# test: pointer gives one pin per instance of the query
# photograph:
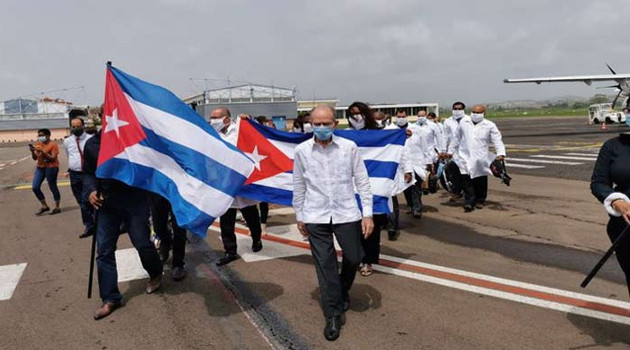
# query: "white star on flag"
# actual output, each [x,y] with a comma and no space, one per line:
[113,123]
[257,158]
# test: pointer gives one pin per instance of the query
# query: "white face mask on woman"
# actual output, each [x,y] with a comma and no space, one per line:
[357,121]
[476,117]
[308,127]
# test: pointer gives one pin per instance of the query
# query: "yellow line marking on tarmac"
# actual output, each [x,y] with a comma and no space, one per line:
[29,186]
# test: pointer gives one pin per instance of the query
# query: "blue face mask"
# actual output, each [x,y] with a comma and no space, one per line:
[323,133]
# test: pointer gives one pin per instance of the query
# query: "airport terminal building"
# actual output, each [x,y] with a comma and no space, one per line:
[21,118]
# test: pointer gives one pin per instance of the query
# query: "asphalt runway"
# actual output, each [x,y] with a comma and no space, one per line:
[505,277]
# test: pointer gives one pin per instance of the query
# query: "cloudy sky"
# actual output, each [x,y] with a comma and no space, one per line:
[375,51]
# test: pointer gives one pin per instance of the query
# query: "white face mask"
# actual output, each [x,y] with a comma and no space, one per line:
[401,121]
[458,114]
[476,117]
[357,124]
[217,124]
[308,127]
[379,123]
[422,120]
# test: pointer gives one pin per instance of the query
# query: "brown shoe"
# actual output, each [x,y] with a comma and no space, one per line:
[106,309]
[154,284]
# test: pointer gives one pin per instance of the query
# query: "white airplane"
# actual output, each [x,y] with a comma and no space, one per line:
[622,80]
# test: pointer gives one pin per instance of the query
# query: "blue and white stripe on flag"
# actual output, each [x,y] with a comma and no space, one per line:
[381,151]
[174,152]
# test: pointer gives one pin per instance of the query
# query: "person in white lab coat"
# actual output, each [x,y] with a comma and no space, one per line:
[413,195]
[426,141]
[451,124]
[221,121]
[404,177]
[471,153]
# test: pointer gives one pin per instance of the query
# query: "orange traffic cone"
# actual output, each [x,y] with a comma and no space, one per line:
[603,126]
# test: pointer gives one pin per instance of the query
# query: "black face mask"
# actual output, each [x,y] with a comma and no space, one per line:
[76,131]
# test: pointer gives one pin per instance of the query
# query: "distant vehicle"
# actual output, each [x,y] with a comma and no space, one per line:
[603,112]
[622,87]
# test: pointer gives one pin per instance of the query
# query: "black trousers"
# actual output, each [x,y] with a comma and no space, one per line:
[87,211]
[394,217]
[264,212]
[160,212]
[475,190]
[228,220]
[372,245]
[614,228]
[413,195]
[334,286]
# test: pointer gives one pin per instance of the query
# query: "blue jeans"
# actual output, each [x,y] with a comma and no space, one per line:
[50,174]
[78,190]
[131,207]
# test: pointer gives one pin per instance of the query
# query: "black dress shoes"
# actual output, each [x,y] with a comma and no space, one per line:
[226,259]
[333,328]
[87,233]
[256,246]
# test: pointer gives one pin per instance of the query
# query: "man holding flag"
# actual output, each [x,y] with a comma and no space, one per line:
[324,171]
[152,141]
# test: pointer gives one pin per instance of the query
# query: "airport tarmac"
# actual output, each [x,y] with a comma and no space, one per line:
[503,277]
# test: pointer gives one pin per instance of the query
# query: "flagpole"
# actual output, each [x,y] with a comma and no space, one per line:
[92,254]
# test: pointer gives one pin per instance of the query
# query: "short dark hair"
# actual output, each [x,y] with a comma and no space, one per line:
[432,115]
[261,119]
[81,119]
[459,103]
[46,132]
[400,110]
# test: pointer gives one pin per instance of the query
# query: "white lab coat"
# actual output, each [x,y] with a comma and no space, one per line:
[450,128]
[405,165]
[231,136]
[425,143]
[471,144]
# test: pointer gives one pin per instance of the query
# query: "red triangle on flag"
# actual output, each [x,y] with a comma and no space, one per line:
[269,160]
[121,127]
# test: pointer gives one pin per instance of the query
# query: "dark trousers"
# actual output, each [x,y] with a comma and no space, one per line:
[614,229]
[413,195]
[161,211]
[87,211]
[228,220]
[334,286]
[264,212]
[475,190]
[393,217]
[50,174]
[131,207]
[372,245]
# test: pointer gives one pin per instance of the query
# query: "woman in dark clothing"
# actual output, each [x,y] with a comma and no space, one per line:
[613,169]
[361,117]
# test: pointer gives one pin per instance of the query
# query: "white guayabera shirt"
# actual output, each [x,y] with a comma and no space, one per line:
[324,181]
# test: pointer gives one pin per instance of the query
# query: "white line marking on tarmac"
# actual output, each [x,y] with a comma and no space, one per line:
[524,166]
[582,154]
[542,161]
[13,163]
[9,277]
[129,265]
[521,292]
[24,158]
[507,296]
[271,250]
[2,164]
[562,157]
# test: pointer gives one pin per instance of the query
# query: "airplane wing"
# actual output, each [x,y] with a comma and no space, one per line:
[587,79]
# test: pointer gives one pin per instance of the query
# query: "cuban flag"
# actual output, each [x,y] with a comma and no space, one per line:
[152,140]
[273,150]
